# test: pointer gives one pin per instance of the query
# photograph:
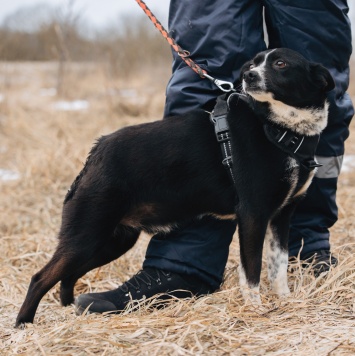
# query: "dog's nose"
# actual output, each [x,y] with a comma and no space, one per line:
[250,75]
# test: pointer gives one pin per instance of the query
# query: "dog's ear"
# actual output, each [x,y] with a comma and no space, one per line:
[322,77]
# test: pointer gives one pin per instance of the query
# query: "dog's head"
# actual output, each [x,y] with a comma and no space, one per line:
[286,76]
[294,88]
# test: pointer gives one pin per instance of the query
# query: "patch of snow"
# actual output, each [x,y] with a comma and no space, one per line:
[75,105]
[128,93]
[48,92]
[6,175]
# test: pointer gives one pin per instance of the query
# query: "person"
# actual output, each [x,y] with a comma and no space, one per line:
[221,36]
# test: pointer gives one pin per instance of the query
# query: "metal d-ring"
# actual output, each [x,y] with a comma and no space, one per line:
[221,84]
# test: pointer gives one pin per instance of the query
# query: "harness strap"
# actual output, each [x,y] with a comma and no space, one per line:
[219,119]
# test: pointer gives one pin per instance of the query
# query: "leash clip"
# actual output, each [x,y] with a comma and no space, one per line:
[221,84]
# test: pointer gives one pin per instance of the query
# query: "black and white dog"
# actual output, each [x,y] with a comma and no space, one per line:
[156,176]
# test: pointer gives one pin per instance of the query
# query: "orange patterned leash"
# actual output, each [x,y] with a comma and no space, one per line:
[184,55]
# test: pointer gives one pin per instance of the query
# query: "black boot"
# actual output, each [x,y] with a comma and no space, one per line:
[145,284]
[321,261]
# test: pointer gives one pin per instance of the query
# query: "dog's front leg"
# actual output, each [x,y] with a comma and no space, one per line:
[252,231]
[277,260]
[250,291]
[277,250]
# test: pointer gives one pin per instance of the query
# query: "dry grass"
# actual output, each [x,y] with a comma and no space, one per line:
[47,148]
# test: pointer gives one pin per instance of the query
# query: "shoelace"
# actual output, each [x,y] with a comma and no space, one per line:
[144,277]
[321,256]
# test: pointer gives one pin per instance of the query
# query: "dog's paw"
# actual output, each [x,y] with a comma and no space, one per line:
[281,290]
[251,296]
[250,292]
[284,295]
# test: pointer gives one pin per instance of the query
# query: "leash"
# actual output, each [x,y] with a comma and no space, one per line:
[184,55]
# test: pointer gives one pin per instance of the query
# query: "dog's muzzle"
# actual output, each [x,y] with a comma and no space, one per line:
[252,80]
[251,76]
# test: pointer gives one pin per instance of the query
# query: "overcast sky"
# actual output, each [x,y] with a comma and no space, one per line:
[100,12]
[97,12]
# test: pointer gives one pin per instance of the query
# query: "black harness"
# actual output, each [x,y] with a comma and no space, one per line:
[219,119]
[301,148]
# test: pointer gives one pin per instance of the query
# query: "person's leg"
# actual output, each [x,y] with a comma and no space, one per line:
[320,31]
[221,36]
[200,248]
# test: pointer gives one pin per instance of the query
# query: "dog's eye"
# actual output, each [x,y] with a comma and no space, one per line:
[251,66]
[280,64]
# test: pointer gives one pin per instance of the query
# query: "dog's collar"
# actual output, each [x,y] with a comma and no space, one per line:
[301,148]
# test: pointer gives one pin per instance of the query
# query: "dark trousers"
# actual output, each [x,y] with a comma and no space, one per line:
[221,36]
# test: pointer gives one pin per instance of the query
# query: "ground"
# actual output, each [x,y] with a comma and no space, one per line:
[49,118]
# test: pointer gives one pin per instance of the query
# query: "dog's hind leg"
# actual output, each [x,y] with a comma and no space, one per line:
[276,244]
[251,238]
[63,262]
[122,240]
[85,225]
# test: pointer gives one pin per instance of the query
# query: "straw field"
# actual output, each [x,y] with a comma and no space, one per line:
[44,138]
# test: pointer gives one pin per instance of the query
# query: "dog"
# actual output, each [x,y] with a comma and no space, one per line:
[156,176]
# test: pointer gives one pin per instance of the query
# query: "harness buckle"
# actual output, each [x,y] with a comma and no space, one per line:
[221,127]
[220,123]
[222,136]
